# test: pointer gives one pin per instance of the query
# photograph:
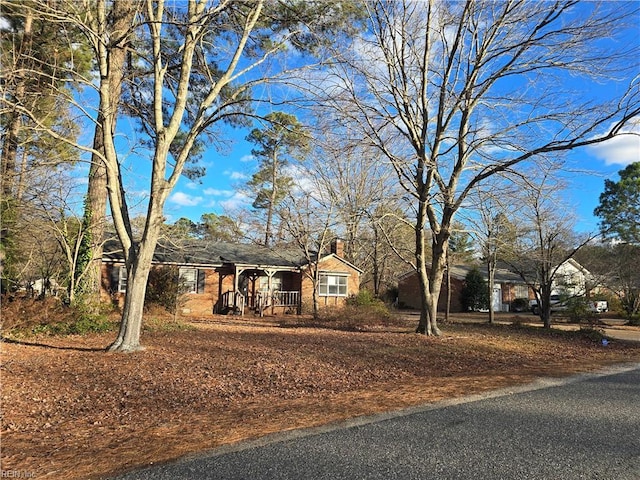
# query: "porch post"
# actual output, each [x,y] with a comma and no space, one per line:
[270,273]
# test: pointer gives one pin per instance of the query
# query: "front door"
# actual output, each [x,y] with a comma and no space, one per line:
[497,298]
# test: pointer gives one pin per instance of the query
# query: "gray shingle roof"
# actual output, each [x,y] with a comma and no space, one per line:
[501,275]
[200,252]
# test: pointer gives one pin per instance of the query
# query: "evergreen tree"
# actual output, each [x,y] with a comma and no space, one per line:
[474,295]
[42,61]
[619,206]
[282,140]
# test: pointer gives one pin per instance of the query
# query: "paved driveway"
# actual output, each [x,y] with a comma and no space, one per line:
[585,427]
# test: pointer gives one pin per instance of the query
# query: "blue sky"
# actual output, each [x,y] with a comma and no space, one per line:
[587,170]
[219,191]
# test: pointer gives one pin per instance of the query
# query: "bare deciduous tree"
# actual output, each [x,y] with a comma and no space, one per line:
[545,240]
[452,93]
[308,215]
[198,65]
[492,219]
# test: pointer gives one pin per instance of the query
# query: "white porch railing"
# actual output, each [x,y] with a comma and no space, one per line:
[237,302]
[233,300]
[286,299]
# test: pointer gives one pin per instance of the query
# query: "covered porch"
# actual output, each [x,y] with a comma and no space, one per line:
[258,289]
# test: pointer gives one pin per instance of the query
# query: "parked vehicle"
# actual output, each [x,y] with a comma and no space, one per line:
[557,305]
[560,305]
[599,306]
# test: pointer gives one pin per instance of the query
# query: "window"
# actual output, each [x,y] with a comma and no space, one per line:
[333,285]
[189,278]
[522,291]
[276,283]
[122,279]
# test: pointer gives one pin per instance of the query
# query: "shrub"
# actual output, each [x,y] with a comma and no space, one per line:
[474,295]
[165,288]
[630,303]
[364,298]
[24,317]
[520,305]
[578,310]
[360,312]
[25,313]
[90,319]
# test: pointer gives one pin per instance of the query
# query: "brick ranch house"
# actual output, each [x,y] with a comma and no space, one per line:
[225,278]
[507,287]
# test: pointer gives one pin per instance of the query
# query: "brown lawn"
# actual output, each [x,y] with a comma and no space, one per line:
[70,410]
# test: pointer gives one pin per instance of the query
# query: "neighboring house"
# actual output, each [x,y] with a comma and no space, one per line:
[507,287]
[223,277]
[571,279]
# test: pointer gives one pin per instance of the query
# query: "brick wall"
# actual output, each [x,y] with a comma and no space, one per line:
[195,304]
[409,293]
[218,281]
[331,264]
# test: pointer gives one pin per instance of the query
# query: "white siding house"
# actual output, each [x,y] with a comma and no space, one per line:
[571,279]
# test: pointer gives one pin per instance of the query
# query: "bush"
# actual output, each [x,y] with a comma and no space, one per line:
[25,313]
[474,295]
[89,319]
[520,305]
[25,316]
[364,298]
[165,288]
[361,312]
[578,310]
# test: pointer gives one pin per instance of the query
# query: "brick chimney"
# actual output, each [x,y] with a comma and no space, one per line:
[337,247]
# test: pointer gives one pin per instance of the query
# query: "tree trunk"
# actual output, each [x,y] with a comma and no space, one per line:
[129,336]
[430,282]
[546,313]
[424,324]
[10,138]
[491,273]
[137,275]
[376,267]
[435,286]
[314,296]
[448,270]
[95,215]
[9,155]
[122,15]
[272,201]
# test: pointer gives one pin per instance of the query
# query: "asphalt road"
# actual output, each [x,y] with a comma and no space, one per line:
[585,427]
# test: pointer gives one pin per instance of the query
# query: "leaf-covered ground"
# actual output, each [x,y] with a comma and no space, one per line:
[70,410]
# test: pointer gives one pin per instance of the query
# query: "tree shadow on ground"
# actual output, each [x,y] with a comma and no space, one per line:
[53,347]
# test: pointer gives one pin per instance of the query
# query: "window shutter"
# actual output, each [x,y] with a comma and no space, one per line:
[114,274]
[200,287]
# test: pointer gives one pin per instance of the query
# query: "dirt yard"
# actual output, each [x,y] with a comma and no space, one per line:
[71,411]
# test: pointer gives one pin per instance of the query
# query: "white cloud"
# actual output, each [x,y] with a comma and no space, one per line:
[185,200]
[236,175]
[238,200]
[218,193]
[623,149]
[247,158]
